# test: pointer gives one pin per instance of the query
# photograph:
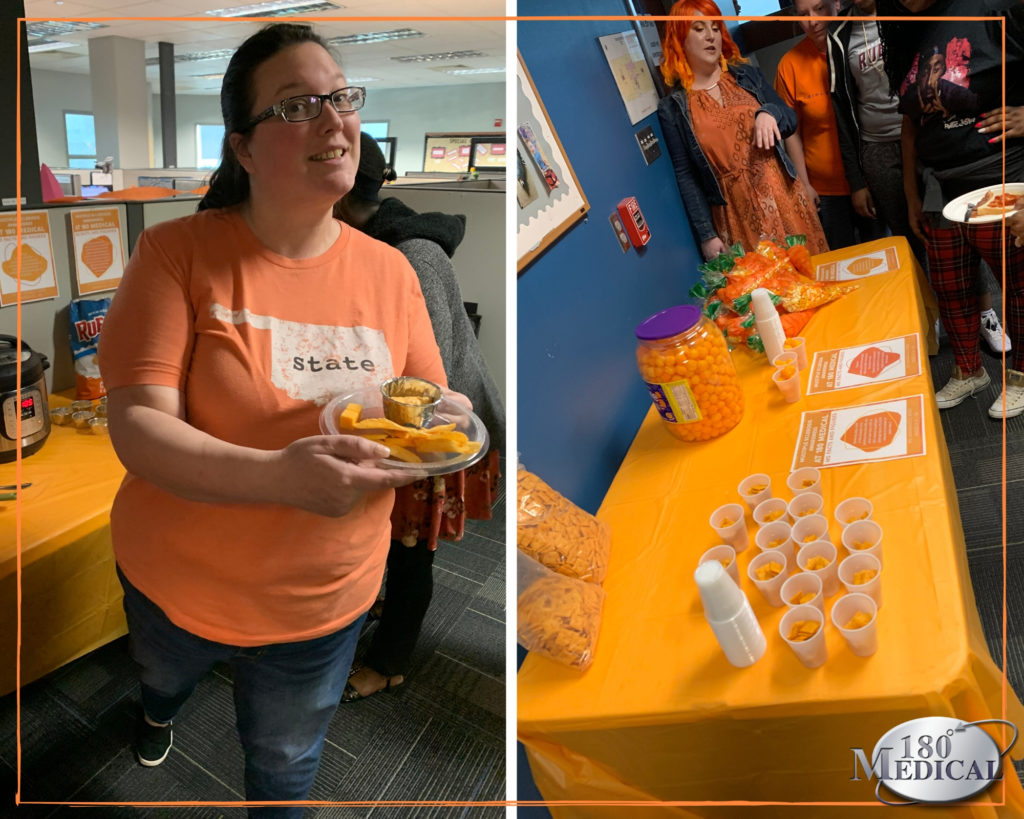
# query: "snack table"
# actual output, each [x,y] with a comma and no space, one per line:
[71,598]
[661,715]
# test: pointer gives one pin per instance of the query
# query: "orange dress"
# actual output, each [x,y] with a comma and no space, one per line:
[762,199]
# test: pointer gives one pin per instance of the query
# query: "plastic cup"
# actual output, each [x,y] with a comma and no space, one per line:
[760,482]
[770,589]
[735,531]
[777,536]
[811,652]
[800,584]
[782,359]
[853,509]
[829,574]
[863,641]
[863,537]
[723,552]
[770,511]
[788,382]
[809,529]
[804,504]
[805,479]
[799,346]
[861,562]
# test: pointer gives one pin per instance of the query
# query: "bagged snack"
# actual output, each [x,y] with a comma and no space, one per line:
[554,531]
[785,271]
[85,319]
[557,616]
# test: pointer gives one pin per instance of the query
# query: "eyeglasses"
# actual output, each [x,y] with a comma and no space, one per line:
[309,106]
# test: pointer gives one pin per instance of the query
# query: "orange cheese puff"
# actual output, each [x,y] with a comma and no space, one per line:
[787,372]
[803,630]
[862,544]
[811,538]
[859,620]
[773,516]
[816,563]
[768,571]
[866,576]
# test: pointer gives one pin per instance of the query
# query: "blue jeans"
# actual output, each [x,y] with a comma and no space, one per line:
[285,694]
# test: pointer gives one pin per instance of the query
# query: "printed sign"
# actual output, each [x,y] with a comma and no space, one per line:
[883,260]
[889,360]
[99,257]
[34,265]
[882,431]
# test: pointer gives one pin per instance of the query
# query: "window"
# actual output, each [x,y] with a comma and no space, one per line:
[378,130]
[208,143]
[81,139]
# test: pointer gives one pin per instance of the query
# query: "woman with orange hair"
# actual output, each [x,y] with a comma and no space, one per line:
[724,126]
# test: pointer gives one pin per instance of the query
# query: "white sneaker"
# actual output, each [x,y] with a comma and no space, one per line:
[1014,397]
[959,390]
[992,332]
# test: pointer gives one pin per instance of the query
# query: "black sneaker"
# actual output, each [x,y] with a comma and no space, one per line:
[152,742]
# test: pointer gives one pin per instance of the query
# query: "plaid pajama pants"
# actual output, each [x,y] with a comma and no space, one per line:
[954,258]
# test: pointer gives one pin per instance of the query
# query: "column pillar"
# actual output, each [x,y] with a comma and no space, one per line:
[168,113]
[120,100]
[10,47]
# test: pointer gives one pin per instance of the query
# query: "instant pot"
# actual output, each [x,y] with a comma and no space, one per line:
[30,403]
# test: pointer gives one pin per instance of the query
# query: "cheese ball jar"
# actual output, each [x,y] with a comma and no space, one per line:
[685,363]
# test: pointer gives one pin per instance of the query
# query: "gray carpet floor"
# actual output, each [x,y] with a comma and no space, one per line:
[439,736]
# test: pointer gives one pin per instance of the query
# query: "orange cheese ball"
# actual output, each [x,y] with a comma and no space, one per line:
[699,357]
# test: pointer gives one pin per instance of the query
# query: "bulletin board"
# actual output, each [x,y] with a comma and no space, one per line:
[451,153]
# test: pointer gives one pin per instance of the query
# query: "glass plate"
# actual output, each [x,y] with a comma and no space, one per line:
[434,463]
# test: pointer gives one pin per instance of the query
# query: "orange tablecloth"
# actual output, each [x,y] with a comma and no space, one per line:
[662,715]
[71,599]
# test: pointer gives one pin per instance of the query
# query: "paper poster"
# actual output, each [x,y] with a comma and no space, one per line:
[883,260]
[99,256]
[632,75]
[882,431]
[38,280]
[888,360]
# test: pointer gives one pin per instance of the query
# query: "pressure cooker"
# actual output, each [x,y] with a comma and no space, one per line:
[30,403]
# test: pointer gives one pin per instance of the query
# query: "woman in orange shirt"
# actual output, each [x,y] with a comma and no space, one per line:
[723,127]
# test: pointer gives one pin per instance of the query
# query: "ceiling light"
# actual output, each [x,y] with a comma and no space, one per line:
[49,45]
[462,71]
[375,37]
[445,55]
[55,28]
[197,56]
[275,8]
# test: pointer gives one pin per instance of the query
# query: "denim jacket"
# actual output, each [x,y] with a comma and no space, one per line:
[697,183]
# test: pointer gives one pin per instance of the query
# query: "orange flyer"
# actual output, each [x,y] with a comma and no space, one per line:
[883,260]
[891,359]
[882,431]
[30,260]
[99,254]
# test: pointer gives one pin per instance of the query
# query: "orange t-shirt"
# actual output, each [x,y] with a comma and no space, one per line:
[802,81]
[258,343]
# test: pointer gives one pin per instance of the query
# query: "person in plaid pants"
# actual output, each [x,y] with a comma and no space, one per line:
[962,131]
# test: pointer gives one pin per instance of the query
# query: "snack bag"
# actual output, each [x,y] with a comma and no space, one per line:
[86,318]
[557,533]
[557,616]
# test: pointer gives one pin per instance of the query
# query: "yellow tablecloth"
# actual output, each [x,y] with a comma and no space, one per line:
[661,715]
[71,599]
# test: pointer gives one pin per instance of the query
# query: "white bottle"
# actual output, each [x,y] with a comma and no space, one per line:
[729,613]
[769,326]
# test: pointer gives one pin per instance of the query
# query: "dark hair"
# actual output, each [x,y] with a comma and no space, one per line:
[229,184]
[898,42]
[373,171]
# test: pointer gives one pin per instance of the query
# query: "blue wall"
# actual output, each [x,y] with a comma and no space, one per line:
[580,398]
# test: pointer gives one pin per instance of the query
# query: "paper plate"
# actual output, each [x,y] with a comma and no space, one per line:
[956,211]
[434,463]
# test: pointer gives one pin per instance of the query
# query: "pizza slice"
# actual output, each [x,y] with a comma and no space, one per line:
[994,204]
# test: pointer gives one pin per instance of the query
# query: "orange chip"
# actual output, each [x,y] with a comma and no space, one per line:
[726,562]
[725,522]
[802,597]
[866,576]
[811,538]
[758,489]
[774,515]
[817,562]
[768,571]
[859,620]
[803,630]
[807,482]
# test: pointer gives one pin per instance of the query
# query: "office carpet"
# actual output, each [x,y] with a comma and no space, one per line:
[439,736]
[975,443]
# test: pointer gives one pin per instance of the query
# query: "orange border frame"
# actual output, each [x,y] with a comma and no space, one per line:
[436,803]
